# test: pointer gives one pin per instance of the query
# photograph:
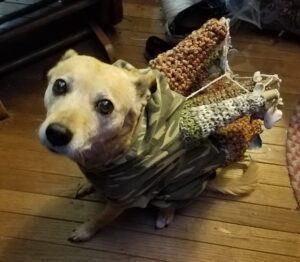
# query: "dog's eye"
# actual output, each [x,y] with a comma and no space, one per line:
[59,87]
[104,106]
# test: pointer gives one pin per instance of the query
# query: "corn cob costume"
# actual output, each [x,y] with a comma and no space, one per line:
[180,141]
[192,68]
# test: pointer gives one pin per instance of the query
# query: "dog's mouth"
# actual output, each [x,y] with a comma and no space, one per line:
[61,150]
[52,150]
[63,146]
[81,145]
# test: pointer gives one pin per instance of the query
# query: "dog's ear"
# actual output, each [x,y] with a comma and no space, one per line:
[69,53]
[145,83]
[144,79]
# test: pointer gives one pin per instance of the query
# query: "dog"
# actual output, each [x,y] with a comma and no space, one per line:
[98,115]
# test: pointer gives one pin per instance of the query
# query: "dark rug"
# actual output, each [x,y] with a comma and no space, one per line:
[293,151]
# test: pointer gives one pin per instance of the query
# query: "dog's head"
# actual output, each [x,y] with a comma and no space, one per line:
[92,107]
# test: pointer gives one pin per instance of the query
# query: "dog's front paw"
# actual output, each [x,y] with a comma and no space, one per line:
[84,188]
[84,232]
[165,217]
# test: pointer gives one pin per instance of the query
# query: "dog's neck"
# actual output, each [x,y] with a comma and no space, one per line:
[103,154]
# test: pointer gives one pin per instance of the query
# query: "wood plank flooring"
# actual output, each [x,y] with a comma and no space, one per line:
[37,206]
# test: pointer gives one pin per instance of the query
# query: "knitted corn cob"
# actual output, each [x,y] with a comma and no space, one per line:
[198,122]
[228,87]
[235,137]
[187,64]
[220,90]
[225,109]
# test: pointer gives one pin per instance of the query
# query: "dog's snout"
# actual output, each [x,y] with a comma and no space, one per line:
[58,135]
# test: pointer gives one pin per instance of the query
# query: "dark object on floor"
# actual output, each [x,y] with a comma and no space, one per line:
[194,17]
[3,112]
[26,38]
[281,15]
[156,46]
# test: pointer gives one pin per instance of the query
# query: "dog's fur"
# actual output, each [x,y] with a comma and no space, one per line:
[99,138]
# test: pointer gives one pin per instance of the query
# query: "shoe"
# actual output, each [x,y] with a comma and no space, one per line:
[156,46]
[194,17]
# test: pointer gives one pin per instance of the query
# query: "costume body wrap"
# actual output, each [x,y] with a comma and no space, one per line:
[179,141]
[161,168]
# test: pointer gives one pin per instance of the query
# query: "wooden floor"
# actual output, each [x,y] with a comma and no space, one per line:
[37,206]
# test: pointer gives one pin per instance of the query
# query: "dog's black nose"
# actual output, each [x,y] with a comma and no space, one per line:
[58,135]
